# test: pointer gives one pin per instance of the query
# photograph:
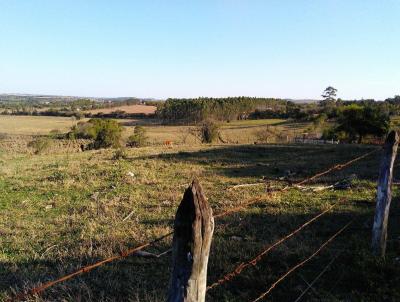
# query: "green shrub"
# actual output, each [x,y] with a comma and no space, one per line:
[119,154]
[208,131]
[78,115]
[105,133]
[56,134]
[40,144]
[139,138]
[335,134]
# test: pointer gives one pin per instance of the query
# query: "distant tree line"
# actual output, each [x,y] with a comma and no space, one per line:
[71,108]
[198,109]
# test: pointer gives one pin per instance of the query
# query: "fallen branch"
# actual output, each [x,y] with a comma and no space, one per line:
[129,215]
[314,188]
[48,249]
[145,254]
[247,185]
[221,139]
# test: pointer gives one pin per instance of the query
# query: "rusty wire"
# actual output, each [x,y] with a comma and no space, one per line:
[336,167]
[310,285]
[315,176]
[229,276]
[244,205]
[319,174]
[280,279]
[124,254]
[238,270]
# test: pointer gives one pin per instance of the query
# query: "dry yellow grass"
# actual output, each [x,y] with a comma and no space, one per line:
[237,132]
[34,124]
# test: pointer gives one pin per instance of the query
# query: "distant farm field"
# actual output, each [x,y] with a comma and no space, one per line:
[34,124]
[246,131]
[128,109]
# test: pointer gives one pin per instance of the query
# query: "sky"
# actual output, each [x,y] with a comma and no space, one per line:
[191,48]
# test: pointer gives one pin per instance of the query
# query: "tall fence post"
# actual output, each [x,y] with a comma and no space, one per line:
[193,230]
[384,194]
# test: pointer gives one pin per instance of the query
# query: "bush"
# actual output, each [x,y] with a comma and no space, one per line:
[139,138]
[119,154]
[56,134]
[266,135]
[40,144]
[209,131]
[335,134]
[106,133]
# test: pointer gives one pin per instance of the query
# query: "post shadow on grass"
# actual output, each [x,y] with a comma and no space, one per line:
[273,161]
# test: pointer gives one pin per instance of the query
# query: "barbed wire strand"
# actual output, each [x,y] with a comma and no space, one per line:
[86,269]
[238,270]
[319,174]
[336,167]
[280,279]
[331,169]
[249,202]
[124,254]
[318,276]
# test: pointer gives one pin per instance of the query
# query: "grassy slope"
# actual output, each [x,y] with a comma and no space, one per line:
[63,211]
[34,124]
[237,132]
[234,132]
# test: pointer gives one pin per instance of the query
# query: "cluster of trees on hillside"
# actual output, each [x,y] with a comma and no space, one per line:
[198,109]
[106,133]
[74,107]
[354,122]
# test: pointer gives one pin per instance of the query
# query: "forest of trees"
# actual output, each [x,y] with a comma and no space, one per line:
[232,108]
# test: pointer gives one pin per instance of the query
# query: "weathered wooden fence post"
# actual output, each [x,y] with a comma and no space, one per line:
[384,194]
[194,227]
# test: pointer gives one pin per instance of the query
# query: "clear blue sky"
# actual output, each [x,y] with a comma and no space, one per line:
[189,48]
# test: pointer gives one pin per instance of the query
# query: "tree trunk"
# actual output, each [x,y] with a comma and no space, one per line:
[194,226]
[384,195]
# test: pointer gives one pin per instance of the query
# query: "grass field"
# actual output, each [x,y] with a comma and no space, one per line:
[34,124]
[237,132]
[59,212]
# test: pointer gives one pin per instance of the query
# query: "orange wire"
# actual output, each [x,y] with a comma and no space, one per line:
[256,259]
[86,269]
[302,262]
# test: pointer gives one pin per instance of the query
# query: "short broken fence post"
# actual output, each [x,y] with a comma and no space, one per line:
[384,194]
[193,230]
